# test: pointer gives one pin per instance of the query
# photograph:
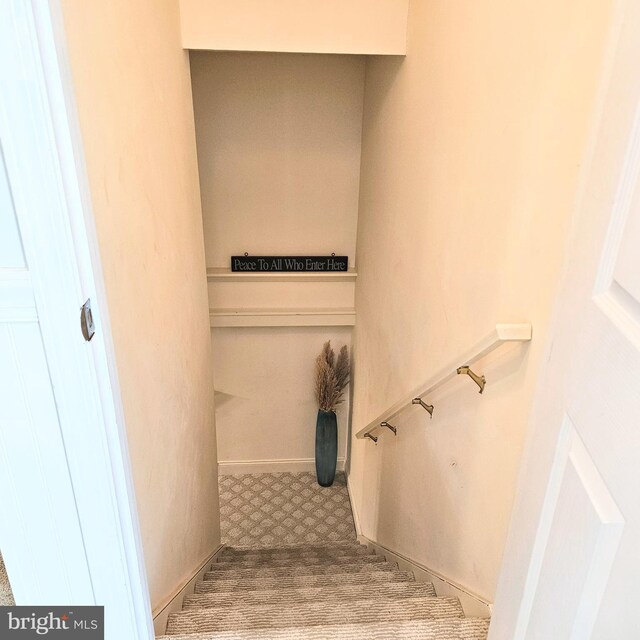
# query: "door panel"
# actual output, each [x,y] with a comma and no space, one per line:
[617,286]
[579,508]
[40,533]
[625,272]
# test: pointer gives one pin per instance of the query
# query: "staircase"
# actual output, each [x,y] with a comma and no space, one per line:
[293,570]
[341,591]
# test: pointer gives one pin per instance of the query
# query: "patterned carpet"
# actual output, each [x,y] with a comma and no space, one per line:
[6,597]
[448,629]
[272,593]
[272,509]
[293,570]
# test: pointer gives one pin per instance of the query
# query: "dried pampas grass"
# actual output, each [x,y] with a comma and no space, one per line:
[332,376]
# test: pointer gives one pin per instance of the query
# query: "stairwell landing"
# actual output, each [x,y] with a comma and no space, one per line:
[294,570]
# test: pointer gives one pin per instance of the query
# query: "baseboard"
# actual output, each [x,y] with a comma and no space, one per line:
[473,605]
[294,465]
[354,511]
[174,602]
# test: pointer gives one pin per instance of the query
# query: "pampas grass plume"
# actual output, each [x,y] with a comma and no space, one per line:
[331,377]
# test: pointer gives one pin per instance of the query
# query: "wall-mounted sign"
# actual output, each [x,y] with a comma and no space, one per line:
[277,264]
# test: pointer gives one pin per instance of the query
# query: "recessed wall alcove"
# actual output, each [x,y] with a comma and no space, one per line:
[279,142]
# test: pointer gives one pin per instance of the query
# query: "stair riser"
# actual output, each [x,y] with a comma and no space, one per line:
[236,585]
[471,629]
[266,572]
[295,562]
[291,597]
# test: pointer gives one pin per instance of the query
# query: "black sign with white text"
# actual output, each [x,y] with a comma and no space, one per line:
[289,264]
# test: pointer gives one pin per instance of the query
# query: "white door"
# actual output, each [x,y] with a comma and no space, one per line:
[572,564]
[40,533]
[68,524]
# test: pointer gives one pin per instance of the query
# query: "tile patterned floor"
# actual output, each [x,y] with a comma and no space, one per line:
[270,509]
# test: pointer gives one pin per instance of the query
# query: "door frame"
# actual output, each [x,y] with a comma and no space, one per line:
[40,133]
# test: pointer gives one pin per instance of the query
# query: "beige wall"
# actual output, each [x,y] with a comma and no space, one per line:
[279,155]
[266,407]
[330,26]
[471,150]
[279,152]
[134,99]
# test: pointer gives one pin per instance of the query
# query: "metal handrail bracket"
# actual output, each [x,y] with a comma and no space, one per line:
[427,407]
[481,381]
[391,428]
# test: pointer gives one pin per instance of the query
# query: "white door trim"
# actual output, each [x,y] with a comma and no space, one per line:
[40,135]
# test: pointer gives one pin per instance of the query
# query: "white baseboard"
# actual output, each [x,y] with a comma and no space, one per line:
[174,602]
[354,511]
[294,465]
[473,605]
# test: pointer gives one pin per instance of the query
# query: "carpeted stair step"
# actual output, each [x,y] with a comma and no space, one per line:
[375,591]
[227,584]
[298,551]
[445,629]
[309,614]
[294,562]
[297,570]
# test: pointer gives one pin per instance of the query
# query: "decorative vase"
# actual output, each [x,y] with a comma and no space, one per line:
[326,447]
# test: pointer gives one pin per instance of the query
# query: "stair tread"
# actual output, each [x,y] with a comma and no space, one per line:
[291,562]
[312,569]
[365,591]
[226,583]
[441,629]
[311,614]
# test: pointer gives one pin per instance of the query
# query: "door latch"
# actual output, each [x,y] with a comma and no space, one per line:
[86,321]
